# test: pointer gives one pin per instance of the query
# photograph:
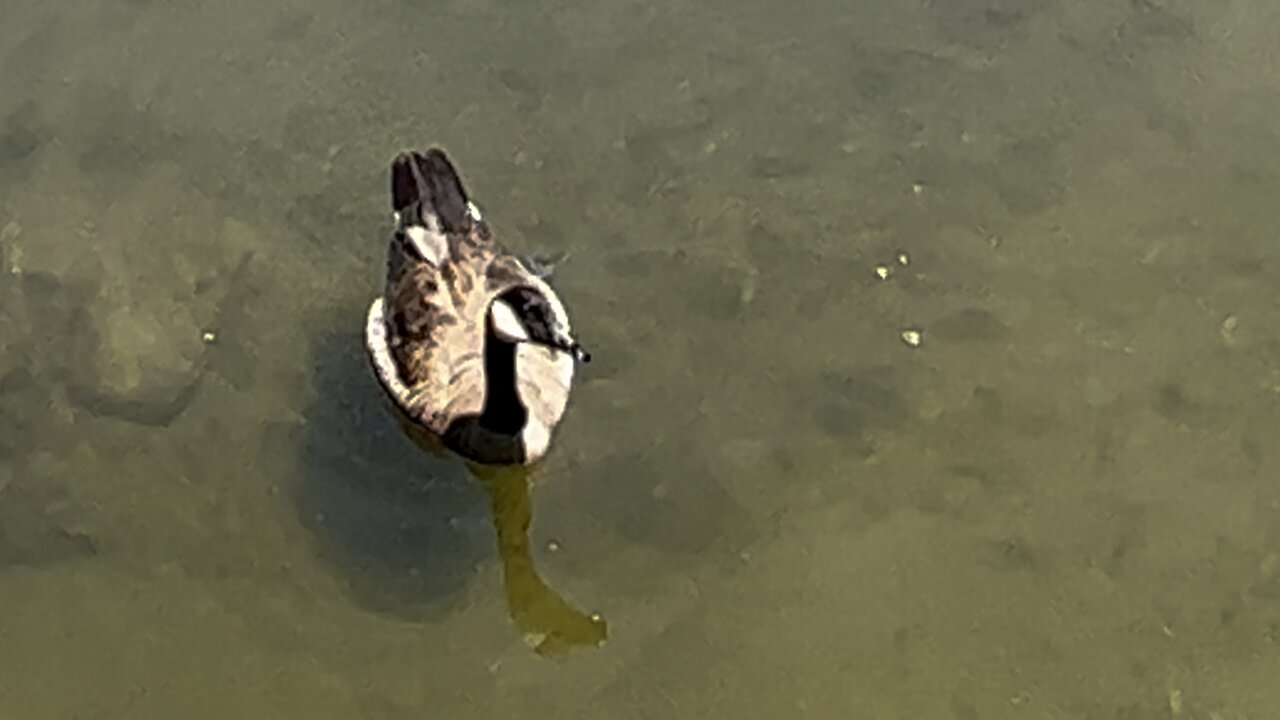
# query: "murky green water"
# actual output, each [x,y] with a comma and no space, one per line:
[1061,504]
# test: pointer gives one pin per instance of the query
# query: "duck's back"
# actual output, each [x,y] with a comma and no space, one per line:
[436,324]
[427,335]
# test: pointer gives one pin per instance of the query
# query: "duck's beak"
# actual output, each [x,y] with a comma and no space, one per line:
[580,353]
[561,341]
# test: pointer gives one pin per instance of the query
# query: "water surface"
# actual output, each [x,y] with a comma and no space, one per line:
[1061,503]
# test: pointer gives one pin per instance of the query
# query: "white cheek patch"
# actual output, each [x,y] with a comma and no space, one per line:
[429,242]
[506,323]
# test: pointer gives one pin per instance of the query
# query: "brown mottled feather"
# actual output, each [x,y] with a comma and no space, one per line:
[435,316]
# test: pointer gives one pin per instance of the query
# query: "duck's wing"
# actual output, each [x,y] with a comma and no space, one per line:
[435,348]
[428,349]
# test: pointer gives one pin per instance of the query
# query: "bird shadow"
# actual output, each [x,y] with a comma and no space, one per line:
[405,522]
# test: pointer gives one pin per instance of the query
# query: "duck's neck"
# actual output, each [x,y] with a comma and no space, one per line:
[503,412]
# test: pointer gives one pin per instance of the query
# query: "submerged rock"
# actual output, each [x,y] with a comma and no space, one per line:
[146,362]
[138,361]
[117,298]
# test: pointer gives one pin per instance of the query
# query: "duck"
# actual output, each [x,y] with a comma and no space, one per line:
[468,342]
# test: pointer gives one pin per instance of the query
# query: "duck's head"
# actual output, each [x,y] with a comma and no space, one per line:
[526,315]
[525,388]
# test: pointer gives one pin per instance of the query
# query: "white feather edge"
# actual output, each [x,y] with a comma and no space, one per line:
[375,341]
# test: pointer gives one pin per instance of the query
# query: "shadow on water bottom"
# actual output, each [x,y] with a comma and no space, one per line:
[399,519]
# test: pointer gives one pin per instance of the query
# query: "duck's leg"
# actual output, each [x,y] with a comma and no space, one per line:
[549,623]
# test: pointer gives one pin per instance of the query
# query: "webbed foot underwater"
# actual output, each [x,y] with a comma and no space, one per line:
[471,344]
